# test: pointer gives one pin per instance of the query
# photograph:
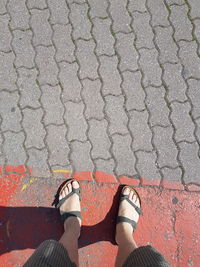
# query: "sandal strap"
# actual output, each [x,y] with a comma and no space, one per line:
[74,191]
[125,197]
[125,219]
[66,215]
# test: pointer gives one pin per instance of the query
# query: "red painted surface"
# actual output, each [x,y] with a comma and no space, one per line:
[170,222]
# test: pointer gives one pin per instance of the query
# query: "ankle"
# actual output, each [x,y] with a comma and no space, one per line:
[72,227]
[124,234]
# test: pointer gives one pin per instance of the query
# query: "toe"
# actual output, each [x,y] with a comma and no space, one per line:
[131,195]
[75,184]
[69,187]
[126,191]
[134,198]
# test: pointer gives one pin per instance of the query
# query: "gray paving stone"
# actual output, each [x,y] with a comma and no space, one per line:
[80,21]
[116,115]
[99,139]
[194,94]
[13,148]
[76,1]
[181,22]
[64,46]
[10,112]
[19,14]
[70,82]
[137,6]
[58,146]
[77,125]
[41,27]
[150,67]
[190,59]
[167,151]
[40,4]
[197,31]
[98,8]
[48,70]
[87,59]
[146,165]
[110,75]
[166,44]
[127,52]
[35,132]
[81,156]
[123,155]
[106,166]
[93,99]
[59,11]
[190,159]
[8,74]
[195,8]
[172,76]
[3,6]
[28,87]
[120,16]
[23,49]
[104,39]
[142,30]
[197,121]
[140,130]
[5,34]
[134,92]
[158,12]
[177,2]
[183,122]
[52,104]
[159,112]
[171,174]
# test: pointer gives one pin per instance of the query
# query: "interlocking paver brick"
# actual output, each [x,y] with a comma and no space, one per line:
[107,166]
[118,10]
[172,76]
[99,139]
[182,121]
[64,46]
[190,59]
[48,70]
[195,8]
[40,4]
[5,34]
[137,6]
[146,165]
[159,112]
[116,115]
[172,174]
[80,21]
[110,75]
[150,67]
[19,14]
[194,94]
[8,74]
[23,49]
[124,155]
[93,99]
[81,156]
[52,104]
[141,132]
[167,151]
[104,39]
[190,159]
[142,30]
[58,145]
[10,111]
[59,11]
[134,92]
[77,125]
[158,12]
[87,59]
[3,6]
[167,47]
[181,22]
[127,52]
[13,148]
[70,82]
[28,87]
[197,31]
[98,8]
[41,27]
[35,132]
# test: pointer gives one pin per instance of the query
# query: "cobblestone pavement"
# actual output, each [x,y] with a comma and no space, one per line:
[110,85]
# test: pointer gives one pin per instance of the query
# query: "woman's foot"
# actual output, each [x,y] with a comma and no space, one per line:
[124,230]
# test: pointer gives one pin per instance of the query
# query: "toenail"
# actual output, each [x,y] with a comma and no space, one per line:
[126,191]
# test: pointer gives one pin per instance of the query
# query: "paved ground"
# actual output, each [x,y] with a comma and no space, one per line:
[107,91]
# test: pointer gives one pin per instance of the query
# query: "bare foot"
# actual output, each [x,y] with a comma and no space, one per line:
[124,230]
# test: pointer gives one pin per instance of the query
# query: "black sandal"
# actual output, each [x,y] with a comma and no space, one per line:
[139,211]
[57,203]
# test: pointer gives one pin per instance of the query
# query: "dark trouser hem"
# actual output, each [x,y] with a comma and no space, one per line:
[50,254]
[146,256]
